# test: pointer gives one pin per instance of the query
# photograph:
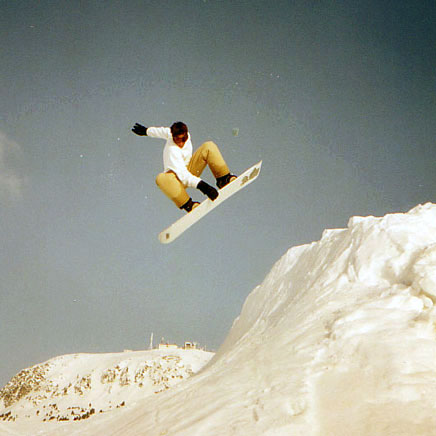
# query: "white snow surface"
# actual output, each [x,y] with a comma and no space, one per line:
[339,339]
[76,387]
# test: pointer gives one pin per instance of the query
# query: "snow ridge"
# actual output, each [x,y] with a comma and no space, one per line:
[339,339]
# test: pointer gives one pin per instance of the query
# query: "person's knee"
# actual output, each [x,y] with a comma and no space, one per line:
[210,145]
[160,179]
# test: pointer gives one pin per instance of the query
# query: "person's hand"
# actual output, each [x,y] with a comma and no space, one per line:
[139,130]
[208,190]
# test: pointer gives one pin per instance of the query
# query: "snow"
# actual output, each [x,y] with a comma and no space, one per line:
[339,339]
[76,387]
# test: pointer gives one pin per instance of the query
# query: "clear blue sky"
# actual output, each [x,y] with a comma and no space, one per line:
[336,97]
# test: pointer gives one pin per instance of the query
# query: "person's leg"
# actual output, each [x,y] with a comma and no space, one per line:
[208,154]
[173,188]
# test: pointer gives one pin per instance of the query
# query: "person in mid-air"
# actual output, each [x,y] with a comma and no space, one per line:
[182,169]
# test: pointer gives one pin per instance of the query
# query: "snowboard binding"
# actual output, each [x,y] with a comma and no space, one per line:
[189,205]
[225,180]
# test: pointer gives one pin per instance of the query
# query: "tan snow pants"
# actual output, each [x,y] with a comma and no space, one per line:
[207,154]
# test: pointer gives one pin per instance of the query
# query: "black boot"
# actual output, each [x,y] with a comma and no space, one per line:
[189,205]
[225,180]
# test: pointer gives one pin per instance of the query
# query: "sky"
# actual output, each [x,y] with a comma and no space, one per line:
[337,98]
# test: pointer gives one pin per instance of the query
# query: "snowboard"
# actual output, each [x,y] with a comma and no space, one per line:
[176,229]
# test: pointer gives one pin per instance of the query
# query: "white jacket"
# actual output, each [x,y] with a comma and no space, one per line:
[175,158]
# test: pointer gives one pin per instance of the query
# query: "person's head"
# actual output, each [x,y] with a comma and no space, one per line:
[179,131]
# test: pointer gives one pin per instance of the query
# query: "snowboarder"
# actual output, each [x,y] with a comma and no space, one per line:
[182,169]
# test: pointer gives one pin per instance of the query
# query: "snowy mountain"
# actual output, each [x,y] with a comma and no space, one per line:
[339,339]
[75,387]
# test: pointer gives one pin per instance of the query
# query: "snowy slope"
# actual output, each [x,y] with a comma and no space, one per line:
[75,387]
[339,339]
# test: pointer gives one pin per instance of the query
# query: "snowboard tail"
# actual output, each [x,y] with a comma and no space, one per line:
[181,225]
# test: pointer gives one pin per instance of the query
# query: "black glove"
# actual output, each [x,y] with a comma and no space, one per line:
[139,130]
[208,190]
